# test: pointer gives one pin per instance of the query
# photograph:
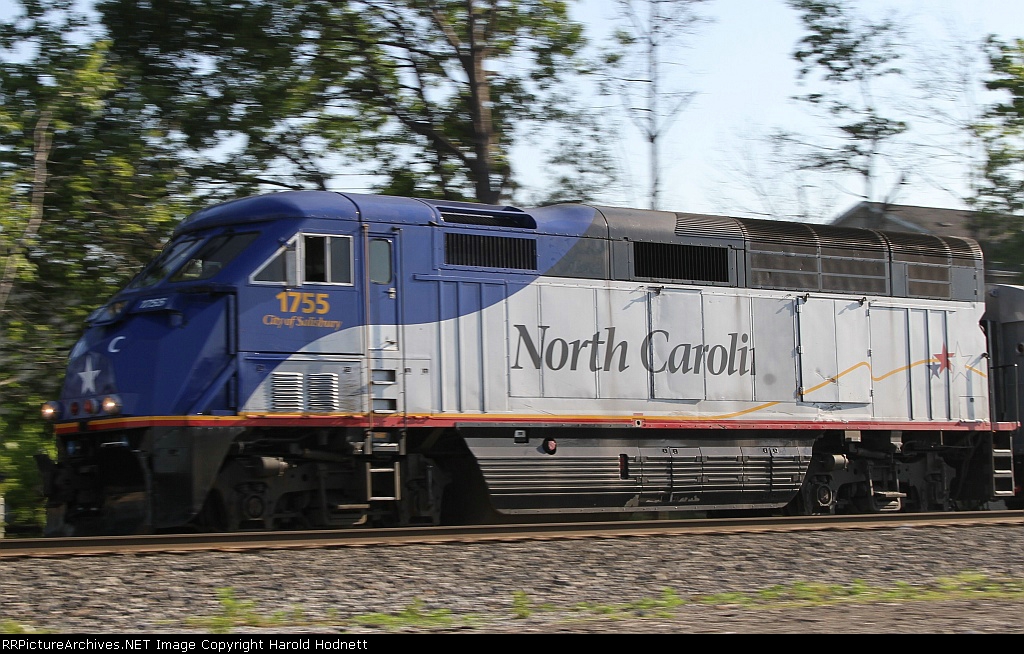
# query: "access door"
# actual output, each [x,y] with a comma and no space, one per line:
[834,351]
[382,290]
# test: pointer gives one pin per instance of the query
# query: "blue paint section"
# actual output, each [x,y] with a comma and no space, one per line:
[175,347]
[289,206]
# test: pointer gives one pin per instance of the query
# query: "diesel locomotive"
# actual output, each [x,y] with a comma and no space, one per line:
[314,359]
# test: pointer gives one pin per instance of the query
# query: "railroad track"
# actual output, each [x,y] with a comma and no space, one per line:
[42,547]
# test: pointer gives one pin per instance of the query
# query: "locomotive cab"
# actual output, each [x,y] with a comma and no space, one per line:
[180,404]
[160,347]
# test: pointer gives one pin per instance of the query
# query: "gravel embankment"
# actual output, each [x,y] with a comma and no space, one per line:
[535,586]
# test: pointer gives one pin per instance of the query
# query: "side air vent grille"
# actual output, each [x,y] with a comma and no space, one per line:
[681,262]
[293,392]
[323,392]
[490,251]
[286,393]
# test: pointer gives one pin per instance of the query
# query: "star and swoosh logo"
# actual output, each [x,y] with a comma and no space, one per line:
[95,374]
[89,376]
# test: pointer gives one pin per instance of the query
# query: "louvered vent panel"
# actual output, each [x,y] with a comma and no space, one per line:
[322,392]
[794,263]
[785,280]
[928,289]
[836,266]
[964,251]
[843,284]
[867,244]
[681,262]
[286,392]
[928,273]
[490,251]
[790,234]
[918,248]
[691,224]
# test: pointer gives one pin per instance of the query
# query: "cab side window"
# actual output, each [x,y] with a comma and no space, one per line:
[315,261]
[380,261]
[321,258]
[327,259]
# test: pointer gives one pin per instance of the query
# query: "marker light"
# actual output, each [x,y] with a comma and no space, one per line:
[90,406]
[550,446]
[51,411]
[112,405]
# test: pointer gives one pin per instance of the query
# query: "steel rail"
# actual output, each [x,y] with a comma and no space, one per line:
[362,537]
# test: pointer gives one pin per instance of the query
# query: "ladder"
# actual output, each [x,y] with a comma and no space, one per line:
[383,481]
[1002,464]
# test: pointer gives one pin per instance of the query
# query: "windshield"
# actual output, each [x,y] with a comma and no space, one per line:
[212,257]
[171,256]
[199,262]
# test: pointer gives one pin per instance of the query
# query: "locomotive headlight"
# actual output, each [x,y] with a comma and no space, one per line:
[107,313]
[111,405]
[51,411]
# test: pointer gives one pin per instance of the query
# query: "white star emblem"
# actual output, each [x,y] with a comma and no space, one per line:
[88,377]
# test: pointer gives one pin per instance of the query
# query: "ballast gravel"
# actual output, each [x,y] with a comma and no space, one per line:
[708,583]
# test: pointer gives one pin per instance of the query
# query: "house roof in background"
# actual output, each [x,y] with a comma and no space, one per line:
[905,218]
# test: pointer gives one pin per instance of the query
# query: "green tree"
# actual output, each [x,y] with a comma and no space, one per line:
[427,96]
[1000,196]
[86,181]
[852,57]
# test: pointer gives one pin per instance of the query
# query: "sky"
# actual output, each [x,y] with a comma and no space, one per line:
[739,64]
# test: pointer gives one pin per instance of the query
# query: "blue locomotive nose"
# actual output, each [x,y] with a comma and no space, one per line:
[160,358]
[90,388]
[156,348]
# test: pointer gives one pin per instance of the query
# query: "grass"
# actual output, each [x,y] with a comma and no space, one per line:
[521,605]
[242,613]
[12,627]
[414,615]
[235,612]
